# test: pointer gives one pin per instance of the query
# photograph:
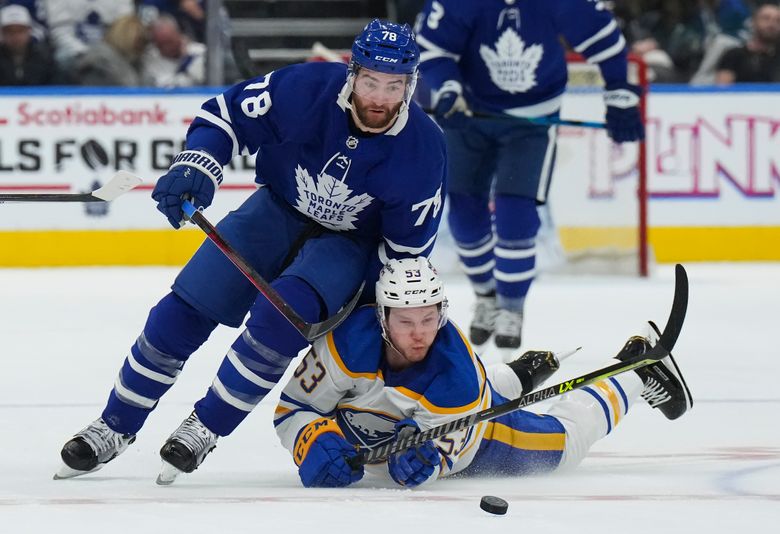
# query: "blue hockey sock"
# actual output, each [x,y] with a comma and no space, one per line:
[517,223]
[258,358]
[471,226]
[173,331]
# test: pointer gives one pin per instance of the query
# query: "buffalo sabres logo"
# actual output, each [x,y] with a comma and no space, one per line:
[512,66]
[367,428]
[328,200]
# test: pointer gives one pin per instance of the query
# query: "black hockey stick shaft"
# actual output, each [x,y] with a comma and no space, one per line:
[544,121]
[310,331]
[660,350]
[119,184]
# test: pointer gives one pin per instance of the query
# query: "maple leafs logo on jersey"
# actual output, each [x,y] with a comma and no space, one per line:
[328,200]
[512,66]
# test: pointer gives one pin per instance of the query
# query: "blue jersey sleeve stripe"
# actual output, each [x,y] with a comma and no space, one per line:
[222,125]
[601,34]
[307,407]
[612,51]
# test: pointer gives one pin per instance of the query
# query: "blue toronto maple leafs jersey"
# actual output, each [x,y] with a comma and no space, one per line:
[345,377]
[383,185]
[507,54]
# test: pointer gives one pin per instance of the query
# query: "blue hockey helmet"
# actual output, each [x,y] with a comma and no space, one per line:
[386,47]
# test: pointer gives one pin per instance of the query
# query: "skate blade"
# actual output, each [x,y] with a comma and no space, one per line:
[168,474]
[66,472]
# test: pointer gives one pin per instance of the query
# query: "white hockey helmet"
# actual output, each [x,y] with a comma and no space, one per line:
[409,283]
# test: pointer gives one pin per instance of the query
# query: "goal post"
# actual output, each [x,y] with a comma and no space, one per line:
[598,195]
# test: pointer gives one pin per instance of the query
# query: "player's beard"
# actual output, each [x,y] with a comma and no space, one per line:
[368,116]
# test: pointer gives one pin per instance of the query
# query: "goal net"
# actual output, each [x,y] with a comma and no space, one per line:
[596,219]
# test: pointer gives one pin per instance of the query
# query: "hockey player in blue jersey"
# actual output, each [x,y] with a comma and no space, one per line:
[351,173]
[499,57]
[403,367]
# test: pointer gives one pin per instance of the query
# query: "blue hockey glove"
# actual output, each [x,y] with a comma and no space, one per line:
[193,175]
[624,121]
[321,453]
[450,108]
[413,466]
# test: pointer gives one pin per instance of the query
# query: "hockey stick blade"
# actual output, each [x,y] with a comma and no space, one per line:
[119,184]
[659,351]
[310,331]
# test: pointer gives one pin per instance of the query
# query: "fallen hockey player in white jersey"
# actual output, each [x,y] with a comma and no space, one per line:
[402,367]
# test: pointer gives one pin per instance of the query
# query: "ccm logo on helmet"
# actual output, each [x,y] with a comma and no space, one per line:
[415,292]
[386,59]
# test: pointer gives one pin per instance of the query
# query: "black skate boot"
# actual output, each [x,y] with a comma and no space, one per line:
[509,327]
[185,449]
[484,321]
[91,449]
[534,367]
[665,387]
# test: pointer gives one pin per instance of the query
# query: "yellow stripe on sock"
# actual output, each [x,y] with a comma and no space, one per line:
[612,397]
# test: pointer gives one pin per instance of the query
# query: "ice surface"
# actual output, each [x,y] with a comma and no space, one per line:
[64,333]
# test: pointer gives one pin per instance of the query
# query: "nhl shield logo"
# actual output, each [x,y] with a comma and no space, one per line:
[352,142]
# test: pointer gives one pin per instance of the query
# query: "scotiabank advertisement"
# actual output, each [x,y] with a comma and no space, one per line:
[713,164]
[76,142]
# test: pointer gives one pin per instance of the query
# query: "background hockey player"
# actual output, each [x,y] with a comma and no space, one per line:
[350,171]
[498,57]
[402,366]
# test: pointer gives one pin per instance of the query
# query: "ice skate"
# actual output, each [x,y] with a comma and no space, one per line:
[484,319]
[665,387]
[91,449]
[185,449]
[509,326]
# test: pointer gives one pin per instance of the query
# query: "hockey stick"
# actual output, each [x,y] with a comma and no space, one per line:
[119,184]
[660,350]
[543,121]
[310,331]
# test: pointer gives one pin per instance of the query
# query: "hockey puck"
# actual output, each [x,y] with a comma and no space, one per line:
[494,505]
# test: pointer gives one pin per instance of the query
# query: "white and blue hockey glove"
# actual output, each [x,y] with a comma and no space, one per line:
[194,175]
[413,466]
[624,120]
[449,106]
[321,454]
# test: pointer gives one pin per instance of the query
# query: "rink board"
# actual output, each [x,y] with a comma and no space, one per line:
[713,182]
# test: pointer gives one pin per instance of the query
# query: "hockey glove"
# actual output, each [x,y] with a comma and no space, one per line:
[534,367]
[321,452]
[413,466]
[450,108]
[624,121]
[194,175]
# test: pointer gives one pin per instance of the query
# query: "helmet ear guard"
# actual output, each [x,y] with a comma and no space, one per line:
[409,283]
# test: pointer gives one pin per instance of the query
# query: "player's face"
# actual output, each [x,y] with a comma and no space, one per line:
[412,331]
[377,97]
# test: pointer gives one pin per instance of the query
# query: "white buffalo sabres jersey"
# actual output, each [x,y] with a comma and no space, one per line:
[507,55]
[345,377]
[386,185]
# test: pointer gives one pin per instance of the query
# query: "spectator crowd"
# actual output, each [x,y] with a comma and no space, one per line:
[160,43]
